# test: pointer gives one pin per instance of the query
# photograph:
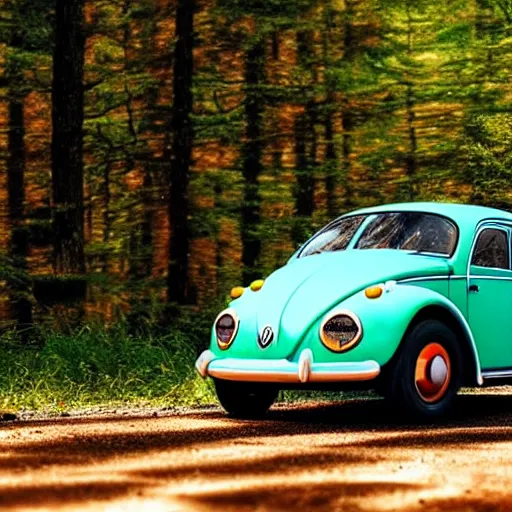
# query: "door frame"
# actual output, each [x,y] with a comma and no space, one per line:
[491,373]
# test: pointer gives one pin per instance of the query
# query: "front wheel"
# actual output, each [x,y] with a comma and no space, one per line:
[426,375]
[245,399]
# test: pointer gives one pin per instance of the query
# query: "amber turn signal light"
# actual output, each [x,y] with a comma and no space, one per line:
[237,292]
[373,292]
[257,285]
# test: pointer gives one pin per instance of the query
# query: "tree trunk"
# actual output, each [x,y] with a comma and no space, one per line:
[219,244]
[330,149]
[180,162]
[330,167]
[346,112]
[67,137]
[16,159]
[347,126]
[411,163]
[16,163]
[305,145]
[413,145]
[21,305]
[252,152]
[107,224]
[147,224]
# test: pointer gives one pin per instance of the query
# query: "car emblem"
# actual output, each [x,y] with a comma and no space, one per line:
[266,336]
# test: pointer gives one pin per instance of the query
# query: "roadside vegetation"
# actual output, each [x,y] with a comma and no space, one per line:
[94,365]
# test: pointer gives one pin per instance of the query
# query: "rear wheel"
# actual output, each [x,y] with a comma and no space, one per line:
[427,373]
[245,399]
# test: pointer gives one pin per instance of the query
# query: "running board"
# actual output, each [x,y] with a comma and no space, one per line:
[498,374]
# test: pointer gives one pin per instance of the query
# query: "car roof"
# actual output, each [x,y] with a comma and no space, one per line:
[460,213]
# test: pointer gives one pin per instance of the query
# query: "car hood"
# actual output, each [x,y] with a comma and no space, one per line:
[298,294]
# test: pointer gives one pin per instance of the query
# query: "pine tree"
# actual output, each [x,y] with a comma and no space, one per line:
[181,159]
[67,137]
[26,33]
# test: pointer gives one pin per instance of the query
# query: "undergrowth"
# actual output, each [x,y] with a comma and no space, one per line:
[94,365]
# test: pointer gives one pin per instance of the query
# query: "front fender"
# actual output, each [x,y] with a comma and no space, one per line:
[385,321]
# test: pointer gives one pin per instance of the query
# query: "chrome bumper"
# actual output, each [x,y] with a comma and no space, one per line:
[282,370]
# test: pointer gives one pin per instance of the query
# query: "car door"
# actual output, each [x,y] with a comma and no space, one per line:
[490,296]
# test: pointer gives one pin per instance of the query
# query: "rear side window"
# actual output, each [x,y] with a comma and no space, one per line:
[491,249]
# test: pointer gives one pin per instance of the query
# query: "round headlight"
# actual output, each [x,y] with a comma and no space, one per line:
[226,327]
[341,332]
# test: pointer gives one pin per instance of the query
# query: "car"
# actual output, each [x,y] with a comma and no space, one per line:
[413,300]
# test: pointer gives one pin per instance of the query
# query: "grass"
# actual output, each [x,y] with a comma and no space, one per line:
[95,366]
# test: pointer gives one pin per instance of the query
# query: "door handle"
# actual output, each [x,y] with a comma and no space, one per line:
[474,288]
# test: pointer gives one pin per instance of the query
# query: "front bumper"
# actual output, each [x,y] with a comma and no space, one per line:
[284,371]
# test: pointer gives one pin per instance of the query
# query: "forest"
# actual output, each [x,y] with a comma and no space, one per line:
[155,153]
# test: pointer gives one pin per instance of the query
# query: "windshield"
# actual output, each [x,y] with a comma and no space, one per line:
[334,237]
[407,231]
[410,231]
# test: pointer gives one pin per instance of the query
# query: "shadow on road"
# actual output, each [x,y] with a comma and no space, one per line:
[469,411]
[472,411]
[477,419]
[321,496]
[46,495]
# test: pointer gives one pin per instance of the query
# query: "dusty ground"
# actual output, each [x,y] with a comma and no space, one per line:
[352,456]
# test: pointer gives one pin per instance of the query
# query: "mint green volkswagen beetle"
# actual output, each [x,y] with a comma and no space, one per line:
[412,300]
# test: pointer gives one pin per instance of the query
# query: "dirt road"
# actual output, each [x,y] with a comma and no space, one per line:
[351,456]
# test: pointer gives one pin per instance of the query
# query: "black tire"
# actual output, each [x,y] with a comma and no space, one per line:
[245,399]
[404,389]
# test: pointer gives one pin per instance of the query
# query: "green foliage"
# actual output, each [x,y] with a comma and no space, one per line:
[488,159]
[264,9]
[459,34]
[27,32]
[97,366]
[11,272]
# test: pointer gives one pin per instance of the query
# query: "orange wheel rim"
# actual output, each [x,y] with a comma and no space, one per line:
[433,372]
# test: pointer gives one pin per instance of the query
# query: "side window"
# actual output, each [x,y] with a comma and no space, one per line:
[491,249]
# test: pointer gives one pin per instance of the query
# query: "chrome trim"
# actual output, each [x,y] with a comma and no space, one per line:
[284,371]
[482,227]
[497,374]
[472,276]
[203,361]
[233,314]
[354,341]
[389,286]
[491,278]
[428,253]
[452,277]
[305,364]
[262,344]
[495,221]
[426,278]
